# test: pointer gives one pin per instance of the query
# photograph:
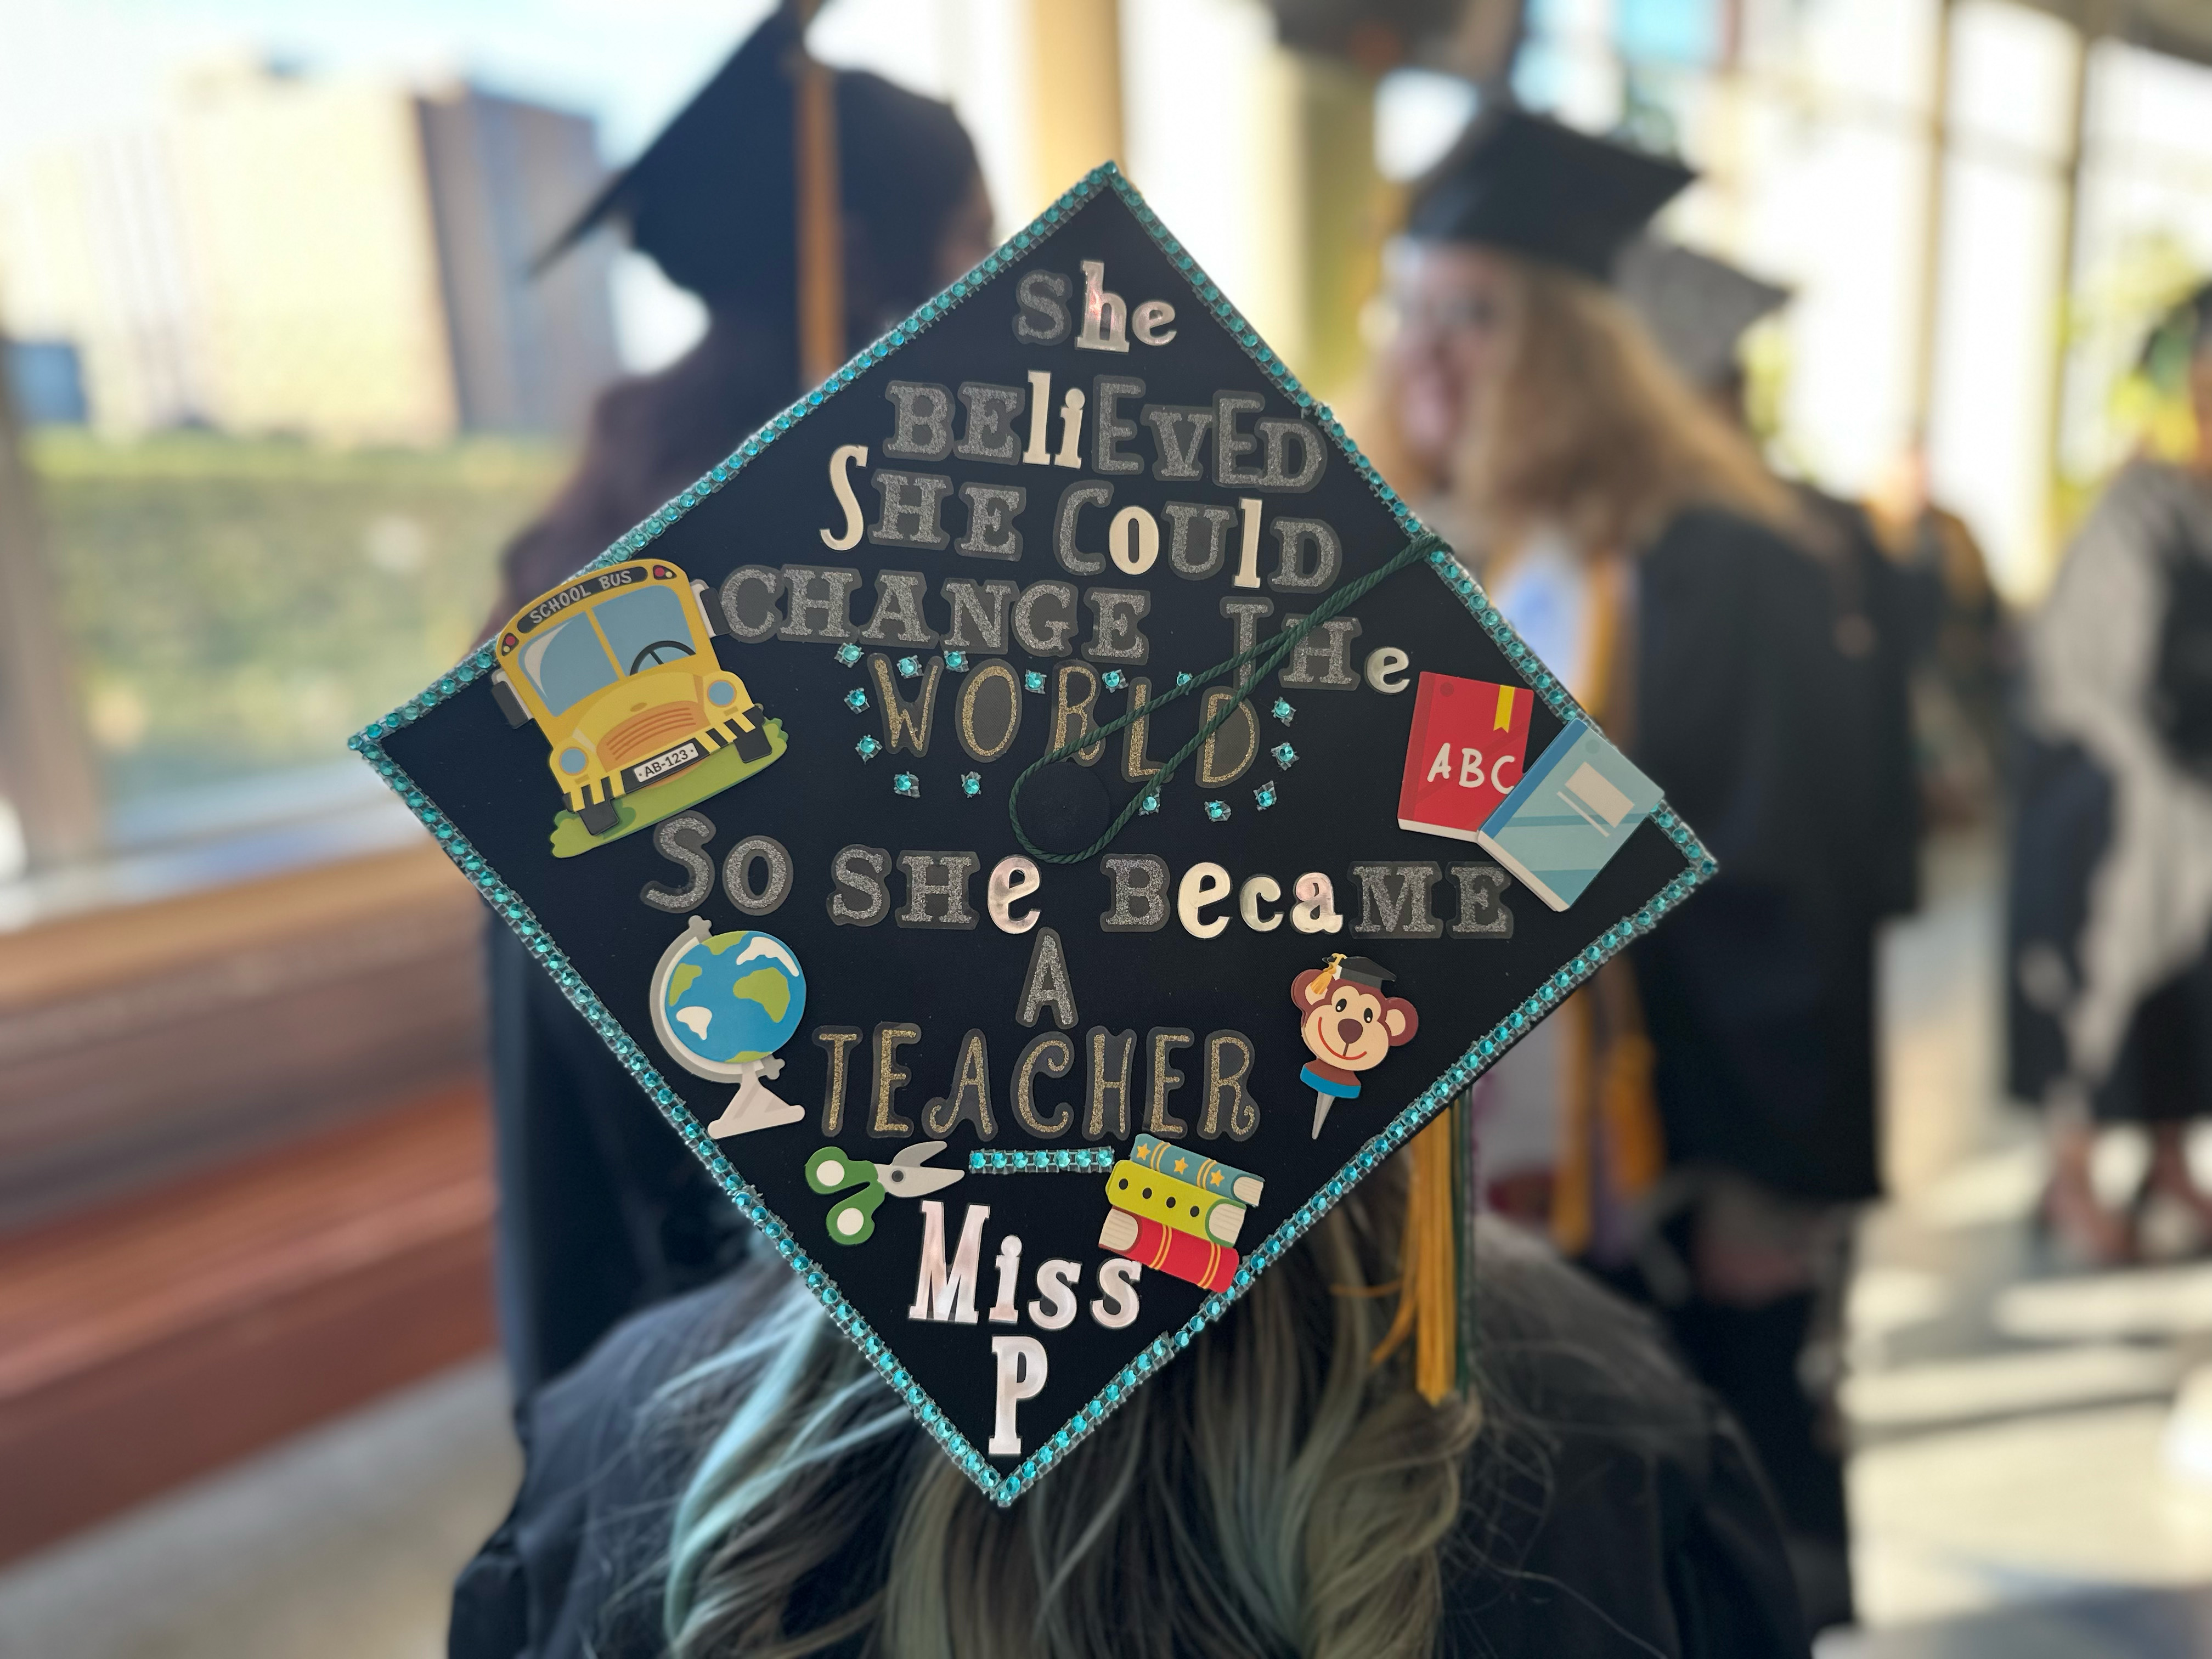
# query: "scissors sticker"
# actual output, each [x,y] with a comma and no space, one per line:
[852,1219]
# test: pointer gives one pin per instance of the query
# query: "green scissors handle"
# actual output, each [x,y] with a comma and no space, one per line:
[851,1219]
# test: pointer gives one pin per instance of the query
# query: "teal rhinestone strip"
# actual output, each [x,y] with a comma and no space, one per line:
[1005,1488]
[1066,1160]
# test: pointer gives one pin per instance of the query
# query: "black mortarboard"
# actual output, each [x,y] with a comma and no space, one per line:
[1519,182]
[1362,970]
[713,223]
[1696,307]
[714,199]
[766,823]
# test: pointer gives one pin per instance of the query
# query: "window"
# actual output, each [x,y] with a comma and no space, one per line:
[645,627]
[567,663]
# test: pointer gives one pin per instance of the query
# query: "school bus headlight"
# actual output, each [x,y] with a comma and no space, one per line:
[574,760]
[721,693]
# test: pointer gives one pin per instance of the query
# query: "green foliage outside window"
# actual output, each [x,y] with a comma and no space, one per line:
[239,607]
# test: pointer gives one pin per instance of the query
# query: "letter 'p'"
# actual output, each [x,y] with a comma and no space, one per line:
[1021,1371]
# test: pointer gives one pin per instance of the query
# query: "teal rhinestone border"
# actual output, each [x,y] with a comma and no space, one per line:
[1058,1160]
[1003,1489]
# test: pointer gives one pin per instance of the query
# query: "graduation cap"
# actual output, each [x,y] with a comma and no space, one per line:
[1020,1089]
[742,196]
[1696,307]
[713,199]
[1522,182]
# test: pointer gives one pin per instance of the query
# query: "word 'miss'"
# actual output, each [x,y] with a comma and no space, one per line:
[945,1292]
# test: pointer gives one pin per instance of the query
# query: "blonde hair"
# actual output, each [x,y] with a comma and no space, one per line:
[1271,1492]
[1586,426]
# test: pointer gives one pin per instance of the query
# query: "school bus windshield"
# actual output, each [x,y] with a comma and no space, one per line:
[567,663]
[647,626]
[643,628]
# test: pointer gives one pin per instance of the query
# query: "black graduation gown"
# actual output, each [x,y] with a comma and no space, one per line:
[1759,994]
[603,1211]
[1613,1509]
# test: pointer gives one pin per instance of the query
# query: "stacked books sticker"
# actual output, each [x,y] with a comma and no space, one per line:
[1178,1212]
[1554,824]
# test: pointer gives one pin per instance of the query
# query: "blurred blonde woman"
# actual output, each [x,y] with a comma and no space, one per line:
[1692,1122]
[726,1476]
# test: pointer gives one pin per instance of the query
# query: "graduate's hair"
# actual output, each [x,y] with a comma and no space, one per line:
[1271,1492]
[1586,426]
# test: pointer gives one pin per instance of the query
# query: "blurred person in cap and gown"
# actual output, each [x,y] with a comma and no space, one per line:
[1699,309]
[2111,926]
[1963,651]
[1916,611]
[1695,1122]
[602,1210]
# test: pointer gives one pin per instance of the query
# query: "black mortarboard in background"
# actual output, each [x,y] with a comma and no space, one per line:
[1519,182]
[1696,307]
[713,224]
[714,198]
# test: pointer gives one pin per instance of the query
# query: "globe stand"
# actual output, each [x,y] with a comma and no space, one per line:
[755,1105]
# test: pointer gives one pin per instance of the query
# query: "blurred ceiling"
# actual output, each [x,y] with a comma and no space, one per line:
[1471,38]
[2181,28]
[1476,37]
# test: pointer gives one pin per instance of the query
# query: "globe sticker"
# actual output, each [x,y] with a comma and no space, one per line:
[1111,970]
[722,1004]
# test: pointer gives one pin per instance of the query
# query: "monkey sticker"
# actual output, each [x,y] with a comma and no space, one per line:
[1349,1023]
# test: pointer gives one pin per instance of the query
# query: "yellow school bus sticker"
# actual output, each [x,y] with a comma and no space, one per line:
[617,670]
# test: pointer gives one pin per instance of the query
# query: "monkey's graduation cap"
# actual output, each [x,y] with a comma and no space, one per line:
[1360,971]
[943,807]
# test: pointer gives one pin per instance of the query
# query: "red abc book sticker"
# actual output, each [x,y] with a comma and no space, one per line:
[1468,742]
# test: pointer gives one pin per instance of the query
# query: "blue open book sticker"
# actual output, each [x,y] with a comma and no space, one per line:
[1573,810]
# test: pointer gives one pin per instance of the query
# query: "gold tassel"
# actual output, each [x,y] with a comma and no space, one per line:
[821,215]
[1429,1275]
[1573,1211]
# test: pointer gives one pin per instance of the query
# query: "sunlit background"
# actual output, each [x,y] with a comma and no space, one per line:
[281,385]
